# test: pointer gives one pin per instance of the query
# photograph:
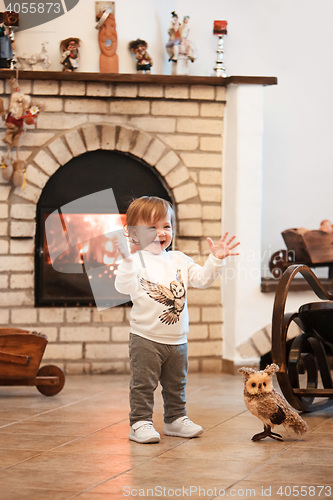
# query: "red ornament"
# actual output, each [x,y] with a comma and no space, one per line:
[220,27]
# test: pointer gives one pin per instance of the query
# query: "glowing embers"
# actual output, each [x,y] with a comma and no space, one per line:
[79,242]
[81,257]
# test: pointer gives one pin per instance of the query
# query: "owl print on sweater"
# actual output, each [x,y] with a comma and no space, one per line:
[173,297]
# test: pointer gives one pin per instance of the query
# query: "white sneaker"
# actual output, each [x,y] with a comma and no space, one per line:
[183,427]
[144,432]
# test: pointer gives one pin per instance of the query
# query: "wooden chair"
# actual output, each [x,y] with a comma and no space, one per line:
[21,352]
[300,368]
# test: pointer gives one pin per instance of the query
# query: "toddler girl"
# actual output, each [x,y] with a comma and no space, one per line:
[157,282]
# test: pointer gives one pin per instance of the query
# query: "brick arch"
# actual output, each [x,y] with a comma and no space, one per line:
[90,137]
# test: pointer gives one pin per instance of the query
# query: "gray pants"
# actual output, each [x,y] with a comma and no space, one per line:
[150,363]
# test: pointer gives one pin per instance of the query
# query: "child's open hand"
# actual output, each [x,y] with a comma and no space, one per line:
[223,247]
[126,246]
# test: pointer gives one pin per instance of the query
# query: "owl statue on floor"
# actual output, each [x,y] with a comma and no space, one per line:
[268,405]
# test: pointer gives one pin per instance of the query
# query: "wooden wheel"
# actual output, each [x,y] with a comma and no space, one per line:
[50,380]
[279,262]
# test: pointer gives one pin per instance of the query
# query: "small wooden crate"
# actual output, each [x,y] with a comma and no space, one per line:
[309,247]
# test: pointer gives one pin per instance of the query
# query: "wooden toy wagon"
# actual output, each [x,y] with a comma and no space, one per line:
[312,248]
[20,355]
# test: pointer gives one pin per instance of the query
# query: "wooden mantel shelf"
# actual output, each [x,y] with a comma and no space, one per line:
[139,78]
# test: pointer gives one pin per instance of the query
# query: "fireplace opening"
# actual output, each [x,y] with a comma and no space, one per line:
[67,281]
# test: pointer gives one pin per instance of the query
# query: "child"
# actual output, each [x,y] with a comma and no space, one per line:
[157,283]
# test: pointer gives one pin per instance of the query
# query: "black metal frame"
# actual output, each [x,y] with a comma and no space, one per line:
[307,355]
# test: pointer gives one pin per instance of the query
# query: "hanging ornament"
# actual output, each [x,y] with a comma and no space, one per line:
[20,112]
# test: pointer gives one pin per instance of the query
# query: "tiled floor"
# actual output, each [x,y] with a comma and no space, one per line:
[75,445]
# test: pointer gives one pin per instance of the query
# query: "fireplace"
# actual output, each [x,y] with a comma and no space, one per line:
[66,273]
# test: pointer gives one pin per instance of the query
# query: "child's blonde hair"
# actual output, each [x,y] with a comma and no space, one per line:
[148,209]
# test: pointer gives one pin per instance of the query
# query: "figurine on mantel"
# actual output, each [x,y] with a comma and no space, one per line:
[172,45]
[8,20]
[187,49]
[7,45]
[69,49]
[108,42]
[144,62]
[35,62]
[180,48]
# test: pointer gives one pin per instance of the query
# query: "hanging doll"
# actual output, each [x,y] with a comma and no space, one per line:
[143,60]
[19,113]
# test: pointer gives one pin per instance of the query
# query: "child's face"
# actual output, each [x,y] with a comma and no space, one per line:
[162,233]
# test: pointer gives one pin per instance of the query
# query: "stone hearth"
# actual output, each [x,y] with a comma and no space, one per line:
[176,125]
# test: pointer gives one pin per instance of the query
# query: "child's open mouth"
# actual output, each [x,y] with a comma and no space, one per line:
[158,244]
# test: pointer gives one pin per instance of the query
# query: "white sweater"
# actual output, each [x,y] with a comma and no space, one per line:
[157,285]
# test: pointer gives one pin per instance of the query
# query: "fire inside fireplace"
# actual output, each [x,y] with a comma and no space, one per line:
[80,261]
[77,254]
[106,252]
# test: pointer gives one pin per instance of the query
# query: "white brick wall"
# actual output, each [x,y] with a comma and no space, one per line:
[4,281]
[185,192]
[60,151]
[177,129]
[127,108]
[23,211]
[202,92]
[21,281]
[167,163]
[46,162]
[176,108]
[72,88]
[3,211]
[154,152]
[18,246]
[75,143]
[13,263]
[84,334]
[177,92]
[99,89]
[108,137]
[83,106]
[22,229]
[181,142]
[91,137]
